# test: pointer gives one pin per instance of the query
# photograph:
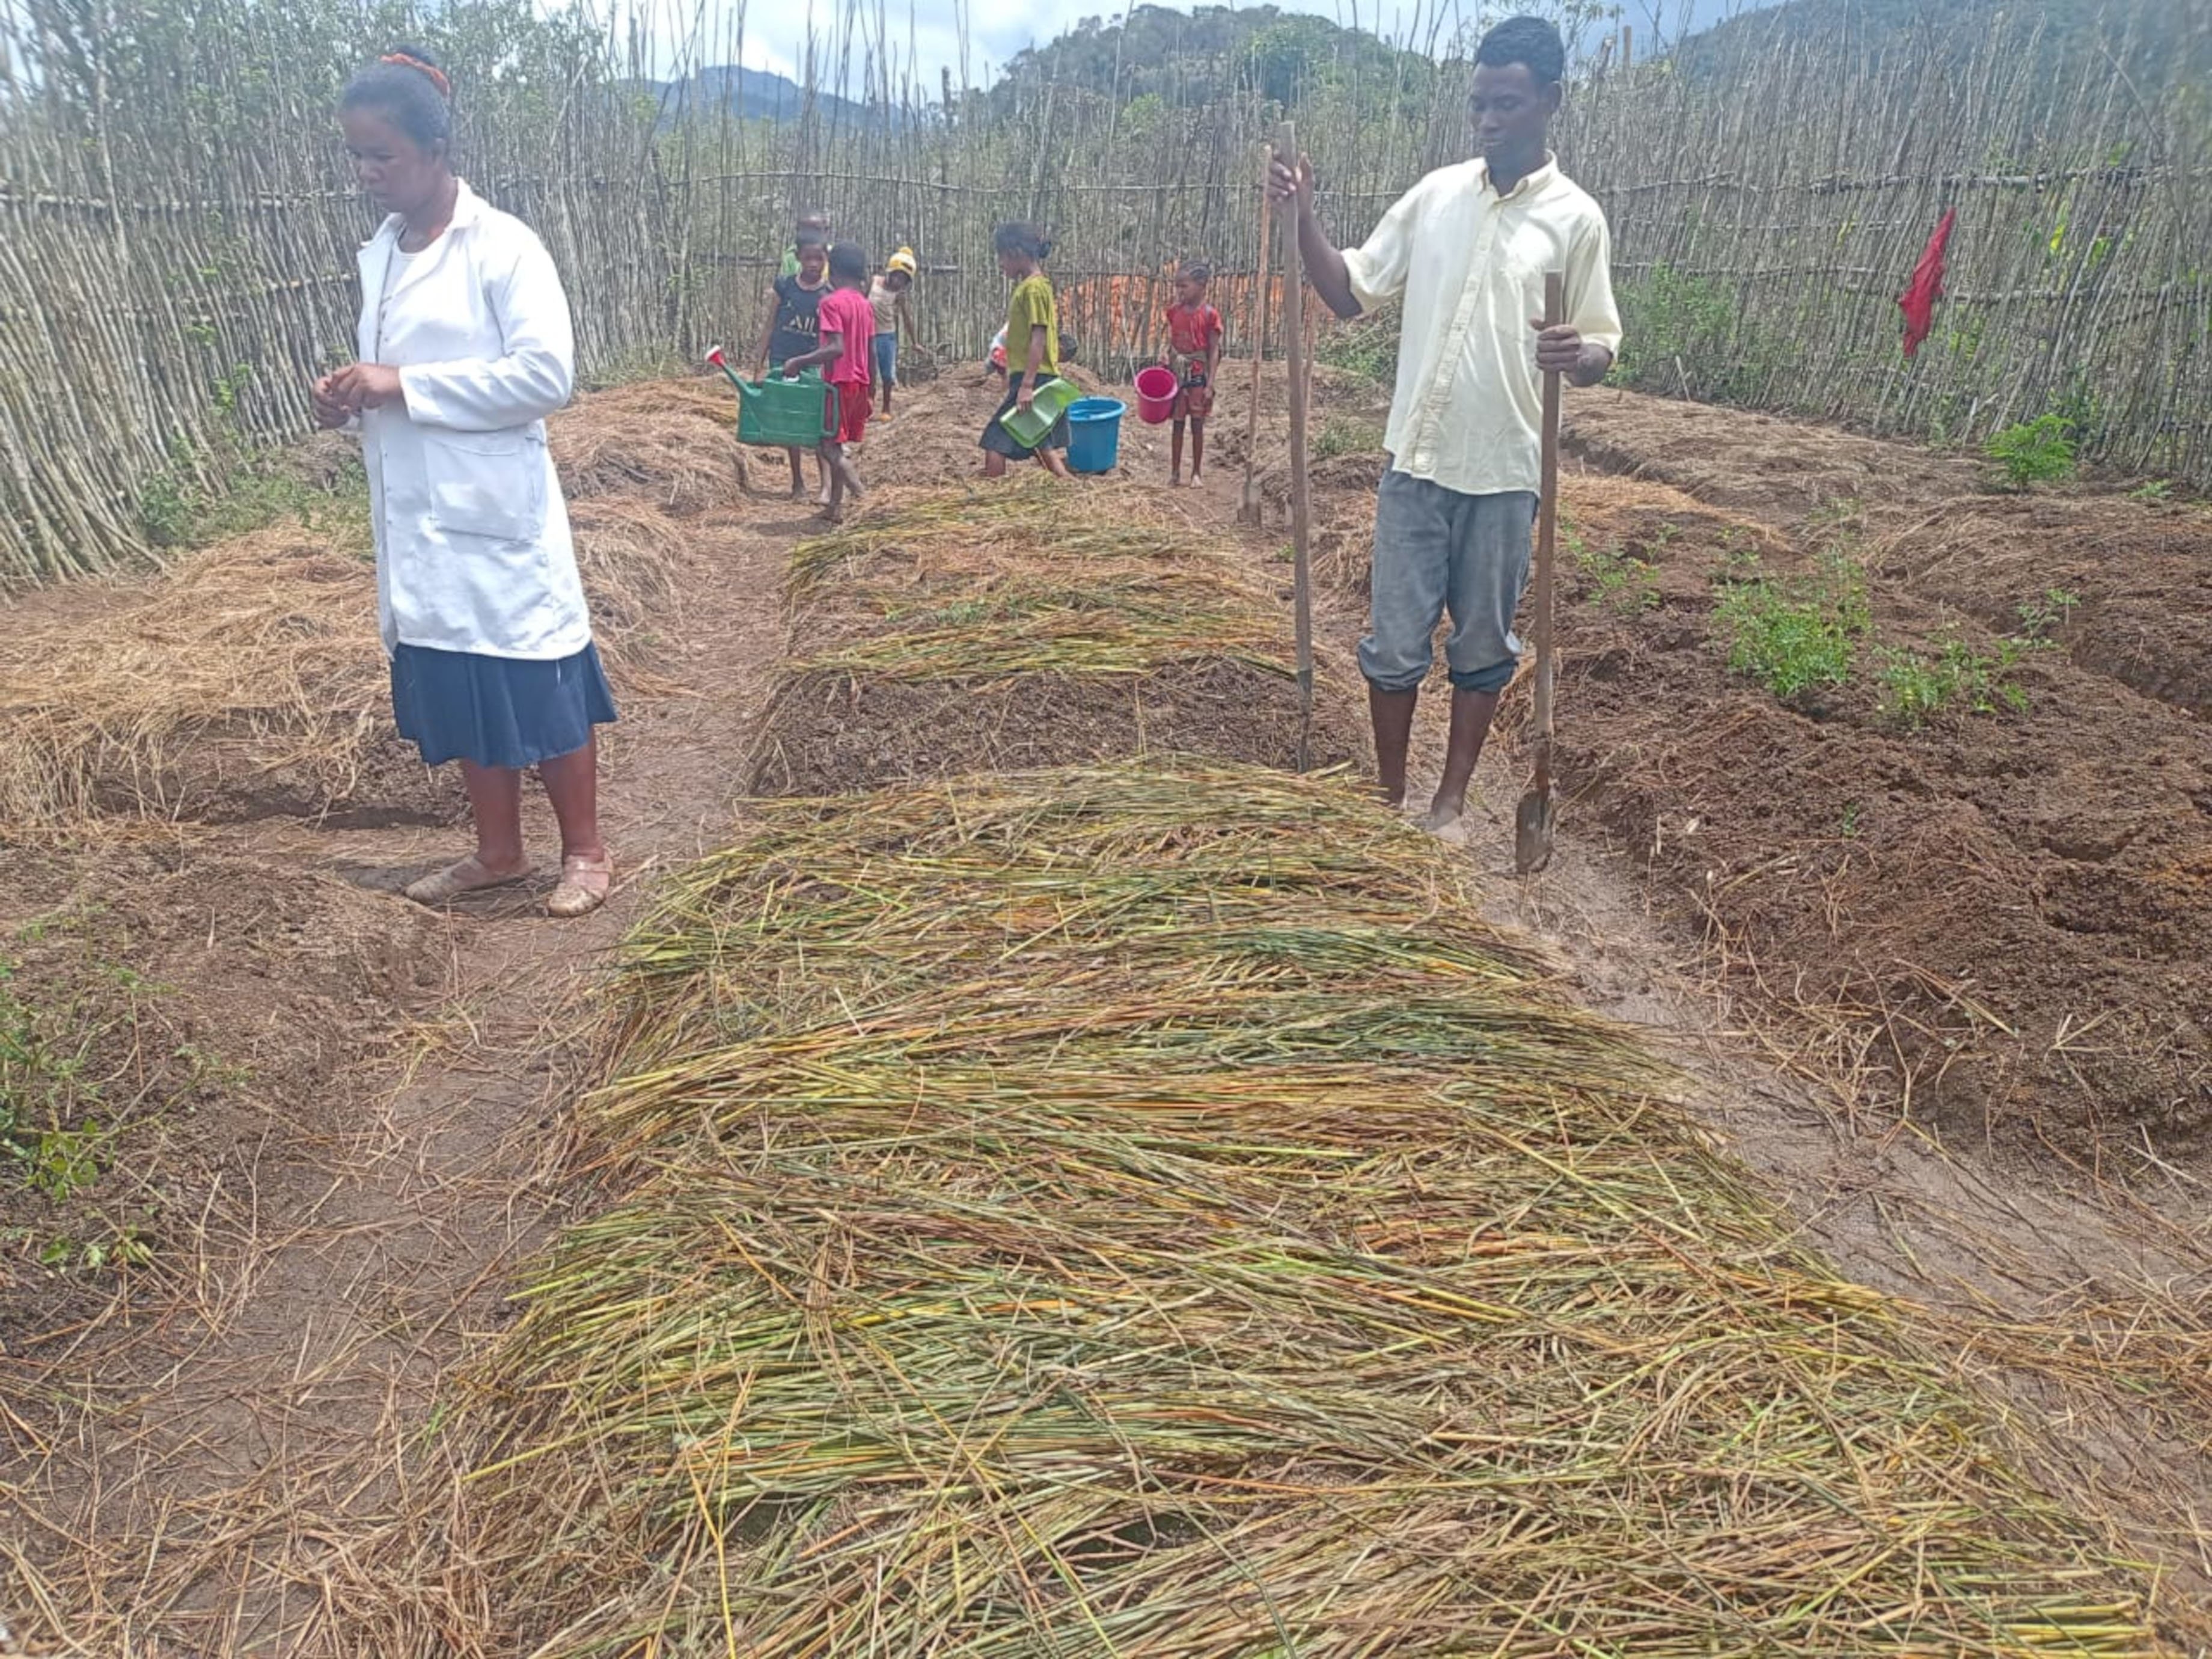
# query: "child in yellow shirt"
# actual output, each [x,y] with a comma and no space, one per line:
[1032,351]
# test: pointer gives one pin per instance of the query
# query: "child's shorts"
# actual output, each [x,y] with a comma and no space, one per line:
[1195,396]
[854,399]
[887,359]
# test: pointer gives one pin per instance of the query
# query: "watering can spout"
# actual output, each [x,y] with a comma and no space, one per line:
[715,357]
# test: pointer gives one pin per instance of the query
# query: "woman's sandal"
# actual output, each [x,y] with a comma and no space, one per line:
[584,883]
[469,875]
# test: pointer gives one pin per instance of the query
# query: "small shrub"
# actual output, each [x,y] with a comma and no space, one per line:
[2039,618]
[1791,637]
[2040,451]
[1839,513]
[1367,348]
[42,1083]
[176,510]
[1340,436]
[1618,579]
[63,1040]
[1687,335]
[1916,688]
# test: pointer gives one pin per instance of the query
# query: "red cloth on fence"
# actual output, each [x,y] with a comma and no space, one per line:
[1921,294]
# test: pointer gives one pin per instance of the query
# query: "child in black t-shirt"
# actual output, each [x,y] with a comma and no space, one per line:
[792,328]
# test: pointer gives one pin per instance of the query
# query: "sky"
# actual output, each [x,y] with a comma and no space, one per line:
[984,35]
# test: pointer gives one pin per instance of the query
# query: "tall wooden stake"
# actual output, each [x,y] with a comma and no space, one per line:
[1249,511]
[1532,819]
[1294,349]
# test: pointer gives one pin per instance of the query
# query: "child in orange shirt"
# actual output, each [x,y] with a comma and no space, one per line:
[1194,335]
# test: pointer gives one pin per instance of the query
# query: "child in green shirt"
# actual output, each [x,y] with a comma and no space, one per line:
[1032,351]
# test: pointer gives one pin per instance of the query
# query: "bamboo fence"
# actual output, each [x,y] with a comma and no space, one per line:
[178,224]
[1763,230]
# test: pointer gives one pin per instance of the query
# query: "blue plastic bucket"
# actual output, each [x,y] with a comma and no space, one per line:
[1094,433]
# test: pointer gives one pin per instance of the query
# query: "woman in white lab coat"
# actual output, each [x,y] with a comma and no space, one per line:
[465,349]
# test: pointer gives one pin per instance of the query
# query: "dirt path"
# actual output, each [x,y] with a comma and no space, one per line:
[232,1465]
[213,1471]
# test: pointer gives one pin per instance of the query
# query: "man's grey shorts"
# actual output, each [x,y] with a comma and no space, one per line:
[1436,550]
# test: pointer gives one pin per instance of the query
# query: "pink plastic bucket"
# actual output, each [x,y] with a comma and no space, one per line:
[1155,394]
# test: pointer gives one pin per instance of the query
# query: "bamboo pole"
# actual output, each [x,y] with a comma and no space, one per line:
[1294,351]
[1249,512]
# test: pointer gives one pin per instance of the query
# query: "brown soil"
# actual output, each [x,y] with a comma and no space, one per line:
[2005,915]
[1998,921]
[831,732]
[334,1118]
[177,1002]
[1939,528]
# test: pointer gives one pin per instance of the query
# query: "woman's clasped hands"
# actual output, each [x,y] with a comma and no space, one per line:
[343,393]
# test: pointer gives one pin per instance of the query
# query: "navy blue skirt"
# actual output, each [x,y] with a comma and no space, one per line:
[498,711]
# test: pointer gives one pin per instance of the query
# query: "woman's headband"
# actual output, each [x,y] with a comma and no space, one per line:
[437,76]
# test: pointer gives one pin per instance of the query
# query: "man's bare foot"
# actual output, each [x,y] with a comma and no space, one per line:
[470,875]
[799,492]
[1175,481]
[1442,815]
[831,515]
[1197,477]
[1455,831]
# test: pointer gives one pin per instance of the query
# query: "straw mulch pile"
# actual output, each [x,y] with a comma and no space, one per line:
[1149,1212]
[246,682]
[1030,625]
[669,444]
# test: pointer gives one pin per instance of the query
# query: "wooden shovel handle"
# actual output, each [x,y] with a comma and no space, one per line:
[1547,518]
[1294,353]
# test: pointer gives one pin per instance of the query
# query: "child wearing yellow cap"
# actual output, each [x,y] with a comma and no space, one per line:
[887,294]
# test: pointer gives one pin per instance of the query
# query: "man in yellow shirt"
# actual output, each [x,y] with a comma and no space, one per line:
[1467,249]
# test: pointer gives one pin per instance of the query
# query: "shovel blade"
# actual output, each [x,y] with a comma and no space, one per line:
[1531,832]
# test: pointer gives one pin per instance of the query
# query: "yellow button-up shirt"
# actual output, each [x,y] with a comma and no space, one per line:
[1470,263]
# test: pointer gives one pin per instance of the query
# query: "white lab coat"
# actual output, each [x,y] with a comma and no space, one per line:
[472,545]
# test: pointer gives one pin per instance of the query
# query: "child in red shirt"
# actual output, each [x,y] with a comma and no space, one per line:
[848,326]
[1195,333]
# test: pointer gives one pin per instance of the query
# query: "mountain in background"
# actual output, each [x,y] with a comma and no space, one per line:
[750,95]
[2156,42]
[1190,58]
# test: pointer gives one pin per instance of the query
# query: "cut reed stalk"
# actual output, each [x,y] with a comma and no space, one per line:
[1149,1212]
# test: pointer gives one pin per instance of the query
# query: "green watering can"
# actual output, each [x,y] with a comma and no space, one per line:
[781,414]
[1052,400]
